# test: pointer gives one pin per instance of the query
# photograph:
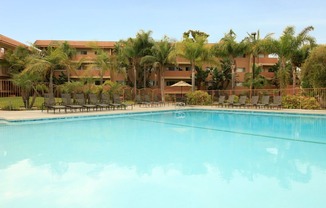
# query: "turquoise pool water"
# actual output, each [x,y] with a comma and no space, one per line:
[169,159]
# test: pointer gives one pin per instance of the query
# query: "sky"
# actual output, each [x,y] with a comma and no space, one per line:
[113,20]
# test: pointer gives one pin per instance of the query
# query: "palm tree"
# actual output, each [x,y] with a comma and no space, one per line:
[101,62]
[289,47]
[17,59]
[29,83]
[46,62]
[192,47]
[132,50]
[69,64]
[105,62]
[163,54]
[229,48]
[256,45]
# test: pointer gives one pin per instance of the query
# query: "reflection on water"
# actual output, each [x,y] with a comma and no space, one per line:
[131,162]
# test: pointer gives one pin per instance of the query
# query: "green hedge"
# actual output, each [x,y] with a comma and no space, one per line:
[300,102]
[198,98]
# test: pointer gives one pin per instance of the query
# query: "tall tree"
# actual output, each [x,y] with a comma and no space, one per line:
[68,62]
[192,47]
[314,69]
[229,48]
[132,50]
[18,59]
[29,83]
[101,62]
[163,54]
[46,62]
[255,45]
[289,46]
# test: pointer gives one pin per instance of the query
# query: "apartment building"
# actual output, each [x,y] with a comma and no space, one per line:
[182,71]
[85,52]
[6,44]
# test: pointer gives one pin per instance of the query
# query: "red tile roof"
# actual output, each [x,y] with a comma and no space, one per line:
[76,44]
[8,42]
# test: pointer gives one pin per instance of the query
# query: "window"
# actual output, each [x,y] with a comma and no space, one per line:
[239,84]
[169,83]
[240,70]
[188,68]
[261,55]
[83,52]
[272,56]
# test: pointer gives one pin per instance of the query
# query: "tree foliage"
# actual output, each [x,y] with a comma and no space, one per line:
[314,69]
[222,77]
[192,48]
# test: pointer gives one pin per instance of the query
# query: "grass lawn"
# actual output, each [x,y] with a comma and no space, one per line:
[16,103]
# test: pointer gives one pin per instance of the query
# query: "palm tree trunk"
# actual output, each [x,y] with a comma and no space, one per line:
[192,76]
[51,82]
[135,80]
[101,76]
[162,83]
[68,76]
[294,76]
[112,75]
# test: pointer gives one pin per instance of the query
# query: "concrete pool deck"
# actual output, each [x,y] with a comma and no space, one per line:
[38,114]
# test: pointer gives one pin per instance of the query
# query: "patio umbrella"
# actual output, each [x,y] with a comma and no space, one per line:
[181,84]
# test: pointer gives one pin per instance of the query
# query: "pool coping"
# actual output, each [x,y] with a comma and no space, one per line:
[37,115]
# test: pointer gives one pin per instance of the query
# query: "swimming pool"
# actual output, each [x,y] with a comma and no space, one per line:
[194,158]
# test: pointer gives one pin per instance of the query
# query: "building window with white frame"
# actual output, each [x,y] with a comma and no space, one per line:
[239,70]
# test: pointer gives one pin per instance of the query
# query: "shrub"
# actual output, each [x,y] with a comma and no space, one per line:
[300,102]
[198,98]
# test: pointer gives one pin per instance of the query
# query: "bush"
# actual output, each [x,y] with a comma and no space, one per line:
[300,102]
[198,98]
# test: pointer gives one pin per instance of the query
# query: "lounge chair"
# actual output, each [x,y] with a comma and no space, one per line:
[148,100]
[50,104]
[141,102]
[181,101]
[253,101]
[230,101]
[66,101]
[220,102]
[264,101]
[277,102]
[158,100]
[105,101]
[242,101]
[80,100]
[93,100]
[118,104]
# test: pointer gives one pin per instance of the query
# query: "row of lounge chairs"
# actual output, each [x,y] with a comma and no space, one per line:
[81,104]
[145,101]
[254,102]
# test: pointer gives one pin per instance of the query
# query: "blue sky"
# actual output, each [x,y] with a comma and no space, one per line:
[95,20]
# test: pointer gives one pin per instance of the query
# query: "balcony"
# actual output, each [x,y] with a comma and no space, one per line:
[267,61]
[177,74]
[4,72]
